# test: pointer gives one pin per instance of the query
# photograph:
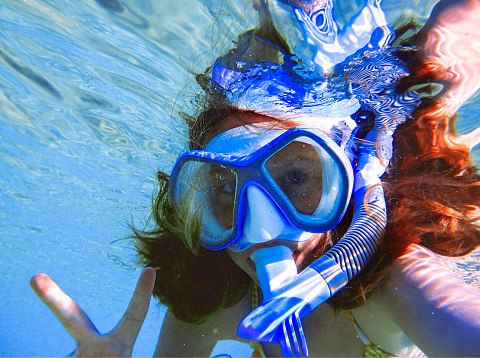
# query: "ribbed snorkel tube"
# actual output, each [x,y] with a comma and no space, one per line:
[359,244]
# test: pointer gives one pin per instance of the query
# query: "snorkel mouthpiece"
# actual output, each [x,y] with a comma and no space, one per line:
[291,294]
[275,268]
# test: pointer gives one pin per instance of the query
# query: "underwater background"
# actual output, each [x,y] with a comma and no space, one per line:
[90,93]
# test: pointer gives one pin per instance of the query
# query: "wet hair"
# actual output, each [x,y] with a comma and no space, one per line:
[192,282]
[431,187]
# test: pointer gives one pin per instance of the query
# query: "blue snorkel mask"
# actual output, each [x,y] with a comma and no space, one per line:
[255,185]
[238,197]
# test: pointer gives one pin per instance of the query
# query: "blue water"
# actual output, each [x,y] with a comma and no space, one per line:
[89,96]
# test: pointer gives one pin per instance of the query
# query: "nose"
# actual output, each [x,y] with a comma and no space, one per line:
[263,219]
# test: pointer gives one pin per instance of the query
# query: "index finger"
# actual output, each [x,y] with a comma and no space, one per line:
[68,312]
[129,326]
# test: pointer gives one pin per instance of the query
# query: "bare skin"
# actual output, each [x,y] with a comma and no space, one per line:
[449,44]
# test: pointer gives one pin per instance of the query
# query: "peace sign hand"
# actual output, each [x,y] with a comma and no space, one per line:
[91,343]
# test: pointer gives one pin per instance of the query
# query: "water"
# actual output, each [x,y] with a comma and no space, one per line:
[88,113]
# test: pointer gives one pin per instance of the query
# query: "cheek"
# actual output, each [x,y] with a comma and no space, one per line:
[310,244]
[307,248]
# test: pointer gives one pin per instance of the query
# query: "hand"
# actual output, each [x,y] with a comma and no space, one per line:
[91,343]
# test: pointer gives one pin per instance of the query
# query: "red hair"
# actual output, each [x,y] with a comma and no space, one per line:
[432,190]
[433,187]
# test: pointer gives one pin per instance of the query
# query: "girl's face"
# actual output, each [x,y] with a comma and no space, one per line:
[302,250]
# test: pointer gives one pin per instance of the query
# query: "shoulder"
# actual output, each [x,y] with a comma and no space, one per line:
[181,339]
[428,302]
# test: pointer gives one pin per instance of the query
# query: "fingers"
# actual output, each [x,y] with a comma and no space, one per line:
[77,323]
[129,326]
[70,315]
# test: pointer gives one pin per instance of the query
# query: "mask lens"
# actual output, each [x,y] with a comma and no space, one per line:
[204,193]
[224,184]
[298,170]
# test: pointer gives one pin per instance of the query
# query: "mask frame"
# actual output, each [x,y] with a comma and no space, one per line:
[251,170]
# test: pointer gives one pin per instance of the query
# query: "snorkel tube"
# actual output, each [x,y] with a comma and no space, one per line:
[296,91]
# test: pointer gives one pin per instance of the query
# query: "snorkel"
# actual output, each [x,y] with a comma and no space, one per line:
[331,90]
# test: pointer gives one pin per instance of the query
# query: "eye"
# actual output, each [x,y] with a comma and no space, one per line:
[223,180]
[227,188]
[295,177]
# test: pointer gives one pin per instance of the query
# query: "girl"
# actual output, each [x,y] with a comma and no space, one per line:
[218,227]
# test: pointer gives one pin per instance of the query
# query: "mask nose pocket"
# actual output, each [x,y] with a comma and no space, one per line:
[263,221]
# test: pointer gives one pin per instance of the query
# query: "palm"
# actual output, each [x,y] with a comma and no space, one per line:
[91,343]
